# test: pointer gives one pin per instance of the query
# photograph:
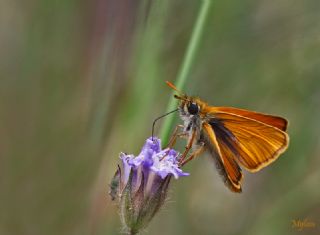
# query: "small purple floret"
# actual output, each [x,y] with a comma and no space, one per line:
[152,158]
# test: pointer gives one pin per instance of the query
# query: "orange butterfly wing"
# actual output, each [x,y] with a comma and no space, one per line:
[225,163]
[274,121]
[252,143]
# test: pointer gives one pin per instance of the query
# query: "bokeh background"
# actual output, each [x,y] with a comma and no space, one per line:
[81,81]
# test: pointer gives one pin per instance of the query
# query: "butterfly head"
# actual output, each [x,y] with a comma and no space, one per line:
[189,106]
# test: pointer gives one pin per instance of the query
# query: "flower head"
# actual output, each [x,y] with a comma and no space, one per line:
[141,183]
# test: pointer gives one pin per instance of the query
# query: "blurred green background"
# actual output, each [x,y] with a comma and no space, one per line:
[81,81]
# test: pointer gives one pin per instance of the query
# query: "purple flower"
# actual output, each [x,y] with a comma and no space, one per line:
[141,183]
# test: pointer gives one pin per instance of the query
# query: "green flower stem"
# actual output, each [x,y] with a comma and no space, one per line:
[186,66]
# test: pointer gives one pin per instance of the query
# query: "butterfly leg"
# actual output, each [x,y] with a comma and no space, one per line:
[175,135]
[173,138]
[199,151]
[189,146]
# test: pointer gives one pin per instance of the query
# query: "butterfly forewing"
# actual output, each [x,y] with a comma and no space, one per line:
[253,143]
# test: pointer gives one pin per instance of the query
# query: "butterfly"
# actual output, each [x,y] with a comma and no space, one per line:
[233,137]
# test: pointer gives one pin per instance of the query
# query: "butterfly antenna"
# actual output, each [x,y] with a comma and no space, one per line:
[173,87]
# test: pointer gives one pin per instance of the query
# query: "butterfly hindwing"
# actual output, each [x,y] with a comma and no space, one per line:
[225,163]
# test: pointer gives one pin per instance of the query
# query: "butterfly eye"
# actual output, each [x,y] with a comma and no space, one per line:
[193,108]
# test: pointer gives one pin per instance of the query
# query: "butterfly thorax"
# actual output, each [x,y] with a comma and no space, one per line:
[191,113]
